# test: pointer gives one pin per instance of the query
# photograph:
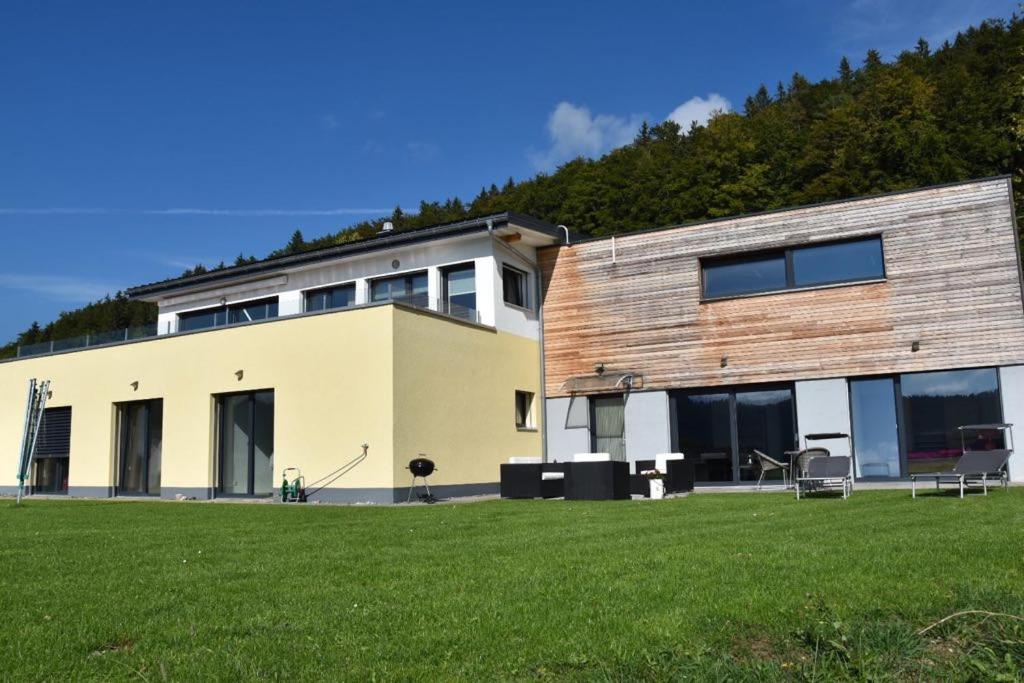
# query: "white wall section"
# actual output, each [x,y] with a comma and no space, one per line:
[823,405]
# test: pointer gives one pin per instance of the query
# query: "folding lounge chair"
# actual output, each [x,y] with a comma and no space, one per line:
[825,473]
[770,464]
[977,468]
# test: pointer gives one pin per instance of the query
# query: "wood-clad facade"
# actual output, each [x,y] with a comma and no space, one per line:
[952,284]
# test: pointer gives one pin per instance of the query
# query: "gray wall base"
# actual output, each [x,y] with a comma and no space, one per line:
[199,493]
[401,494]
[91,491]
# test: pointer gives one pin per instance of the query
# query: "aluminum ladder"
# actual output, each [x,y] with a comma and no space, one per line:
[35,406]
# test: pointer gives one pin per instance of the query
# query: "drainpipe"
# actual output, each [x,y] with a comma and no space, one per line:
[562,227]
[543,407]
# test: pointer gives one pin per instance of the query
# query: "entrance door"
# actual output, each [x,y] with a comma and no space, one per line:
[247,444]
[608,425]
[720,429]
[140,447]
[876,440]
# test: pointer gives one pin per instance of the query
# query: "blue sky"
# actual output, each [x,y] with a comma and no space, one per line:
[138,138]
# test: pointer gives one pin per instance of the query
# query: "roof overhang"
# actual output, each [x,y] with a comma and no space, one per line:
[534,231]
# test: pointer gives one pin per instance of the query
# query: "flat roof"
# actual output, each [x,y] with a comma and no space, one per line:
[378,242]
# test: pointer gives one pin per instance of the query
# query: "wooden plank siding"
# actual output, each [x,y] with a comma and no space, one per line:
[952,283]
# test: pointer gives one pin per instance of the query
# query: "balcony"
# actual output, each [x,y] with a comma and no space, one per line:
[84,341]
[120,336]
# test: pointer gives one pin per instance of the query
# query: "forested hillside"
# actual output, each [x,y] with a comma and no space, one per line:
[927,117]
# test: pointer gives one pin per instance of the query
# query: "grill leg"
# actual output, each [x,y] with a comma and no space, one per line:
[425,484]
[412,487]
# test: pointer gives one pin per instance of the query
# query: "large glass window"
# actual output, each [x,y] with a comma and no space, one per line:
[817,264]
[719,430]
[875,432]
[338,296]
[838,262]
[140,447]
[460,291]
[247,443]
[935,404]
[704,426]
[410,288]
[764,421]
[513,287]
[745,276]
[609,425]
[235,313]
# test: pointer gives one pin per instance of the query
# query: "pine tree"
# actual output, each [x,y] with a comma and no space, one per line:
[845,72]
[296,244]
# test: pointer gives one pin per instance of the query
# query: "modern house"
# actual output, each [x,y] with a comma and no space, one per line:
[894,319]
[420,342]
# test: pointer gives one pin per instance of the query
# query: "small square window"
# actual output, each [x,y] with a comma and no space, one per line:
[513,285]
[524,410]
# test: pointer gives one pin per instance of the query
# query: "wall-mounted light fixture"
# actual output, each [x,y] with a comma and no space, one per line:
[395,264]
[135,385]
[915,346]
[724,362]
[599,368]
[223,301]
[239,374]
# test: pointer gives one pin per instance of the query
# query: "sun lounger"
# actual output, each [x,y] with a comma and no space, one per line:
[974,468]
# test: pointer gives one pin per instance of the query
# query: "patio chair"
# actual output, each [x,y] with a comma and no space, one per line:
[770,464]
[974,468]
[798,467]
[824,473]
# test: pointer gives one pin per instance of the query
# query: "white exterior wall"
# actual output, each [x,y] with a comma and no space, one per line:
[823,405]
[648,431]
[1011,381]
[562,442]
[484,251]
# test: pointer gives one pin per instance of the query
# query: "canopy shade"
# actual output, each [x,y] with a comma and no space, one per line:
[607,382]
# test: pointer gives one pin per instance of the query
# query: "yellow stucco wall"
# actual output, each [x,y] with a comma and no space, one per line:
[405,382]
[331,375]
[455,398]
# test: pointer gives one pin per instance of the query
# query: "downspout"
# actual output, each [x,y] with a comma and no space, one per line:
[543,379]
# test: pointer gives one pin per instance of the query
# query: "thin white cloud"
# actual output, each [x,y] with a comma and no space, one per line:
[61,211]
[422,151]
[699,110]
[56,287]
[573,132]
[329,121]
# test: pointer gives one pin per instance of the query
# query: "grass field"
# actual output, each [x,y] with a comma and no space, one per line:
[722,586]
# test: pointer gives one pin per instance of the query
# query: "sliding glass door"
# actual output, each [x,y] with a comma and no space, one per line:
[140,447]
[876,439]
[720,430]
[910,423]
[247,444]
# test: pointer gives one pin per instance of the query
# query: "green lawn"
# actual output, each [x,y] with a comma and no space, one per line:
[720,586]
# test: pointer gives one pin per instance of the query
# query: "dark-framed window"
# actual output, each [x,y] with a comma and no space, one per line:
[51,461]
[140,445]
[909,423]
[514,286]
[720,428]
[335,296]
[246,311]
[459,290]
[408,287]
[524,410]
[246,443]
[846,261]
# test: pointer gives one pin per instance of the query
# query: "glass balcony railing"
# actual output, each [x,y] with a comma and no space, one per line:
[87,340]
[131,333]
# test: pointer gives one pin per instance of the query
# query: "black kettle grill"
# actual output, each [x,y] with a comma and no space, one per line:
[422,468]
